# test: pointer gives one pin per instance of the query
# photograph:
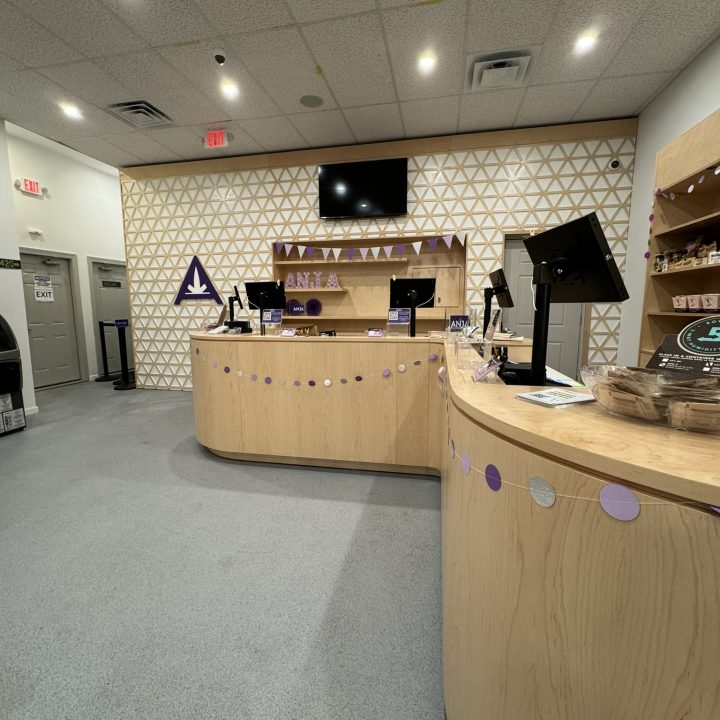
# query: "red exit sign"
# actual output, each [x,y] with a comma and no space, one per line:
[31,186]
[216,139]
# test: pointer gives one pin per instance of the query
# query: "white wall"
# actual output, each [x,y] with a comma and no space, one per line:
[81,214]
[12,300]
[692,96]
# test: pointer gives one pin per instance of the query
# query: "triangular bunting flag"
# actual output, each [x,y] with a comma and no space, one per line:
[448,240]
[196,285]
[376,252]
[288,248]
[432,242]
[400,249]
[310,251]
[301,249]
[350,253]
[325,252]
[364,252]
[417,245]
[388,250]
[462,238]
[336,252]
[278,247]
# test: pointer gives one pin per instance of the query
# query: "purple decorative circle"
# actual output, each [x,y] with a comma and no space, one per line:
[214,363]
[344,381]
[226,369]
[297,383]
[619,502]
[432,357]
[358,378]
[652,217]
[492,478]
[672,196]
[197,351]
[253,377]
[311,383]
[386,373]
[268,380]
[418,362]
[313,306]
[466,465]
[646,255]
[658,192]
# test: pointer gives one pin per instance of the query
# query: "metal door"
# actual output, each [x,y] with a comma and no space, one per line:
[564,332]
[112,302]
[51,319]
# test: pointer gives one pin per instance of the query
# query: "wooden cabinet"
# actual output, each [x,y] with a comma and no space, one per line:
[687,205]
[363,297]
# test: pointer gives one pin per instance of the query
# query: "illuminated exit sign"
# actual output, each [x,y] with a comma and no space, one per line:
[216,139]
[30,186]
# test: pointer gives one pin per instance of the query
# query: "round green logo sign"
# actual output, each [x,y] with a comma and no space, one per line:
[701,337]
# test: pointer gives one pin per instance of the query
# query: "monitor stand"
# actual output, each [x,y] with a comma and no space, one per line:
[413,304]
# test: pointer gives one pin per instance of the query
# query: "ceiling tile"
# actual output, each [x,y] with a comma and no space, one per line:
[353,58]
[424,118]
[508,25]
[8,64]
[414,30]
[280,61]
[196,63]
[312,10]
[229,16]
[489,110]
[622,96]
[323,129]
[86,25]
[375,122]
[240,144]
[612,20]
[275,134]
[142,146]
[29,42]
[183,142]
[551,104]
[104,151]
[670,35]
[161,22]
[87,81]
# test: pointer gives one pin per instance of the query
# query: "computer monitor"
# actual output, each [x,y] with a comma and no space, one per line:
[266,295]
[412,293]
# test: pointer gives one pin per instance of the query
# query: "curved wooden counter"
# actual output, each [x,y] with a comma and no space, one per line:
[549,613]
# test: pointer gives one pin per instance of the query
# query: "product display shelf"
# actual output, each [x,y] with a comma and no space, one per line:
[359,261]
[687,205]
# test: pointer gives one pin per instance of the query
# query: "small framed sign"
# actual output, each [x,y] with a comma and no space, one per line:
[273,317]
[459,322]
[399,316]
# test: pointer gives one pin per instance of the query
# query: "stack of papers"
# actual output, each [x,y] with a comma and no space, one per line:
[556,396]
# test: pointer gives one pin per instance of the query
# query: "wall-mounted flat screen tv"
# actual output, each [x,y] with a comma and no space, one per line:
[373,188]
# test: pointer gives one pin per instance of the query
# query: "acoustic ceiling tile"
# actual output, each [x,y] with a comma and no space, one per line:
[323,128]
[424,118]
[548,104]
[374,123]
[229,16]
[489,110]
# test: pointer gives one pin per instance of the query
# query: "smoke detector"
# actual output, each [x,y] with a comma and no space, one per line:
[497,70]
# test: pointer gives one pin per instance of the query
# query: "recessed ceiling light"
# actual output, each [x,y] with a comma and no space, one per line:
[427,62]
[72,111]
[585,42]
[229,89]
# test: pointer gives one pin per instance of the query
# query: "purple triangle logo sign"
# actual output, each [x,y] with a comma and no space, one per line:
[196,285]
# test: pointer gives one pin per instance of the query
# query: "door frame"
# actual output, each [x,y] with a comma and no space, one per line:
[93,301]
[76,301]
[584,336]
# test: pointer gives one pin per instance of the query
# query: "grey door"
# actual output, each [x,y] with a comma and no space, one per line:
[564,332]
[51,319]
[109,281]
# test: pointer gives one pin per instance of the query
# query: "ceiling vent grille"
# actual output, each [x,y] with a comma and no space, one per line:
[140,114]
[498,70]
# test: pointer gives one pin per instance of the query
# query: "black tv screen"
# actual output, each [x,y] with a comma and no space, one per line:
[374,188]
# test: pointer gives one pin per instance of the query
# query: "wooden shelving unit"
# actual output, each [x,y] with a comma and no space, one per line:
[363,298]
[687,206]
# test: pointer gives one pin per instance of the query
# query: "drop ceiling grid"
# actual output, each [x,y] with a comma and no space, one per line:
[231,220]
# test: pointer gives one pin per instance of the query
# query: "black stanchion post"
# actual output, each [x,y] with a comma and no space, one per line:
[126,383]
[106,376]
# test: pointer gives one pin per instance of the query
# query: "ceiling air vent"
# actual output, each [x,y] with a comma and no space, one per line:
[497,70]
[140,114]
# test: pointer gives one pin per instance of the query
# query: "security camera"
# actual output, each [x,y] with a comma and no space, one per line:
[219,56]
[615,164]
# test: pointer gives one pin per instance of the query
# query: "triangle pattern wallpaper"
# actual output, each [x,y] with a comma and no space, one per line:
[231,221]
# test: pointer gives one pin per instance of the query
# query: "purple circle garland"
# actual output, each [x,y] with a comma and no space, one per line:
[214,363]
[386,373]
[358,378]
[226,369]
[297,383]
[432,357]
[268,380]
[715,508]
[253,377]
[619,502]
[344,381]
[646,255]
[311,383]
[492,478]
[466,465]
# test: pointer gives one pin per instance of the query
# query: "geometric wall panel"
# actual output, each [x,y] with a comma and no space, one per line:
[231,220]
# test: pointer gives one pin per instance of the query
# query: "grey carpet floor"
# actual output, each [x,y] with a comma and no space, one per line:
[143,577]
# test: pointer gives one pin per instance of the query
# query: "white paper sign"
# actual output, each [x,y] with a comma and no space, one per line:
[44,294]
[42,281]
[13,420]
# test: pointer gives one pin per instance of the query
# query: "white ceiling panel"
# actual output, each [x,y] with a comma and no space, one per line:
[240,144]
[88,81]
[29,42]
[544,104]
[197,64]
[353,58]
[312,10]
[323,129]
[508,25]
[162,22]
[9,64]
[612,20]
[621,97]
[281,62]
[375,122]
[438,116]
[415,30]
[107,152]
[86,25]
[142,146]
[231,16]
[670,35]
[489,110]
[275,134]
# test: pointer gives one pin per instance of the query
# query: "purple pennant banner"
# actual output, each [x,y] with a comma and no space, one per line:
[432,242]
[400,249]
[278,247]
[448,240]
[364,252]
[388,250]
[288,249]
[350,253]
[325,252]
[310,251]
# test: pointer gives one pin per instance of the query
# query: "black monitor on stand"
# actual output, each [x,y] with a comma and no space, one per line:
[267,295]
[412,293]
[499,289]
[232,323]
[572,264]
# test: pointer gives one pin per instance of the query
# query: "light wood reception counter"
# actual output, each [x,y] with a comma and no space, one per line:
[552,608]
